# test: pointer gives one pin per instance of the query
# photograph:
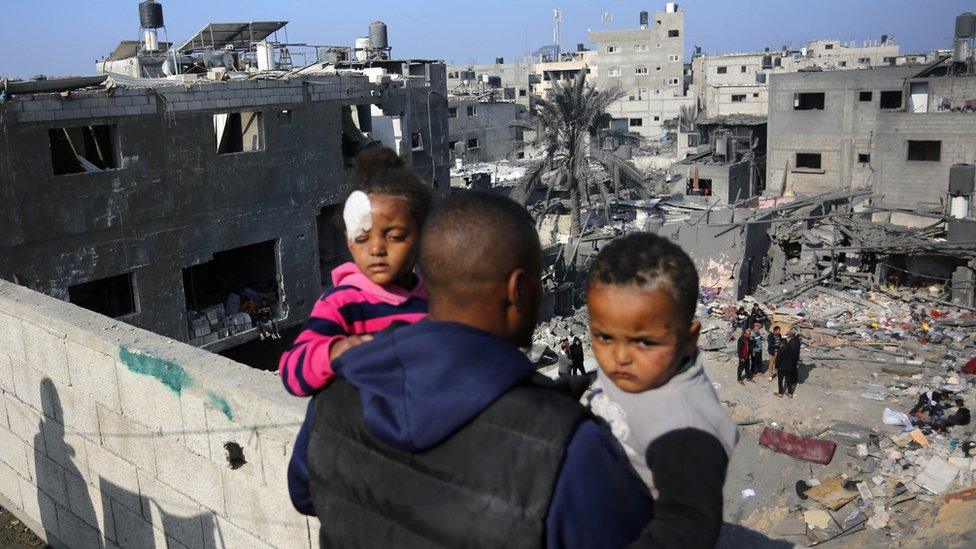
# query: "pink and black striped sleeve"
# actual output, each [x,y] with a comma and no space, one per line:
[305,367]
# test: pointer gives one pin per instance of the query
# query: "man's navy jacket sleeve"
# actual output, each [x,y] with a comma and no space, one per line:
[598,500]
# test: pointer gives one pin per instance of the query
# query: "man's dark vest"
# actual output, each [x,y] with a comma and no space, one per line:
[488,485]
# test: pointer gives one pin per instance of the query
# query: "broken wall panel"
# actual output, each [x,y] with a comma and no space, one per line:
[172,201]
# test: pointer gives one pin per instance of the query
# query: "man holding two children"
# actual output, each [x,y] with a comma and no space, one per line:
[440,433]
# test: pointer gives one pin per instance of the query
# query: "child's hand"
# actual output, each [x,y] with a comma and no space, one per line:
[344,345]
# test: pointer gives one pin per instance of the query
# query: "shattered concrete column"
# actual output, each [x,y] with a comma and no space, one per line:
[964,285]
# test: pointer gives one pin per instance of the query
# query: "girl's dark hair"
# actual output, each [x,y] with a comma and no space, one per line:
[647,260]
[379,170]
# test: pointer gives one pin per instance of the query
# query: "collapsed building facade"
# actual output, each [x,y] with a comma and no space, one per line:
[725,158]
[156,199]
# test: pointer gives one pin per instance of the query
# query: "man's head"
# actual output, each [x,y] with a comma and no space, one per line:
[482,263]
[576,341]
[756,327]
[755,306]
[746,331]
[960,403]
[642,294]
[776,330]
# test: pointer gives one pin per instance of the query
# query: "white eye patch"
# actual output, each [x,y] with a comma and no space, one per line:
[358,215]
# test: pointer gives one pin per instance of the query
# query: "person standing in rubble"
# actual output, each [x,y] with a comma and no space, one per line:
[576,357]
[563,362]
[756,345]
[744,350]
[787,365]
[773,343]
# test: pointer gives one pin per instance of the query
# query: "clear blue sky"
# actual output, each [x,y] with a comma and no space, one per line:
[60,37]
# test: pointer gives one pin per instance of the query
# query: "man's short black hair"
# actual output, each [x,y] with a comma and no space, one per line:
[474,240]
[776,328]
[960,403]
[647,260]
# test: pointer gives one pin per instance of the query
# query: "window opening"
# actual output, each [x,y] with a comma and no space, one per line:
[236,132]
[84,149]
[113,296]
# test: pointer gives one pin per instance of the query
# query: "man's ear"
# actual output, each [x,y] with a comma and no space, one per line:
[515,289]
[693,332]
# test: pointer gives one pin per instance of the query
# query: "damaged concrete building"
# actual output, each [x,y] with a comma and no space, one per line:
[480,128]
[647,65]
[168,201]
[738,83]
[725,159]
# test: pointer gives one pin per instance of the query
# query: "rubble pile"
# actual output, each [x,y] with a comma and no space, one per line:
[553,331]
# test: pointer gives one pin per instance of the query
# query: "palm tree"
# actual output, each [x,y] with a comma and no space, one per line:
[565,121]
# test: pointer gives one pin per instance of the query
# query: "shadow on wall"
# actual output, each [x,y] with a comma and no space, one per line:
[67,510]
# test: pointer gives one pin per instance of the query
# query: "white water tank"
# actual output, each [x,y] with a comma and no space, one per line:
[265,54]
[959,207]
[362,45]
[671,7]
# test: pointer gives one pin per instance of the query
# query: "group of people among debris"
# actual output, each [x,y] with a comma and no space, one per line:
[784,352]
[429,425]
[933,410]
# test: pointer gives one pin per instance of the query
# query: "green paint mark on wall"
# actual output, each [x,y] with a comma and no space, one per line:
[168,373]
[221,404]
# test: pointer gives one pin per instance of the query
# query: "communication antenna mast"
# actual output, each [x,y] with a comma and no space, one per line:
[607,19]
[557,15]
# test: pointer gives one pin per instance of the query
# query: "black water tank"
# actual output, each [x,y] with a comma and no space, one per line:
[499,60]
[580,47]
[643,18]
[962,179]
[150,15]
[966,25]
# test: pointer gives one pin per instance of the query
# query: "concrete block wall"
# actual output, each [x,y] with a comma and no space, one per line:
[113,436]
[907,184]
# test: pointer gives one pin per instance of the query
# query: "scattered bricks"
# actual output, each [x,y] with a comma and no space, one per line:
[9,485]
[195,476]
[251,504]
[49,477]
[127,439]
[133,530]
[148,401]
[39,507]
[13,452]
[87,503]
[223,533]
[93,373]
[78,533]
[23,421]
[45,352]
[178,516]
[115,478]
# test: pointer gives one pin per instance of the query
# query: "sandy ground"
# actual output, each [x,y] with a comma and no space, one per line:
[824,396]
[14,534]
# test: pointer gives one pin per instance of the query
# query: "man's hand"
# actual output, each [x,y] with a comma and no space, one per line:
[344,345]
